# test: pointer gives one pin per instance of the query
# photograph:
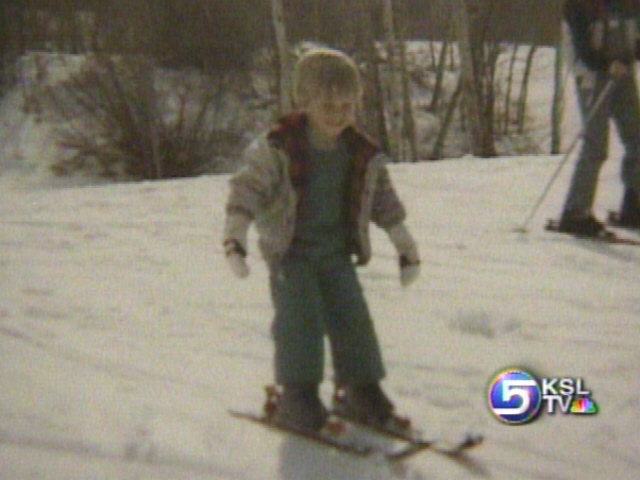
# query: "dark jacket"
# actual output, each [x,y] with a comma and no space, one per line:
[602,31]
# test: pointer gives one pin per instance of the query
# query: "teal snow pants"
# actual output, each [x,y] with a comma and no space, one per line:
[316,296]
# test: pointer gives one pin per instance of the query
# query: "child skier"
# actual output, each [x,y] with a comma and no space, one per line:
[312,185]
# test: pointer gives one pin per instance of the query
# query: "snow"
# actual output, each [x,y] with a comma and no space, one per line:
[124,338]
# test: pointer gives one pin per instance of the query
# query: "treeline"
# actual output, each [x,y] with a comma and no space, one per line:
[206,34]
[223,33]
[128,120]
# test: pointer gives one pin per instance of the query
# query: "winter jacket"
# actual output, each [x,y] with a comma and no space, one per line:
[270,184]
[599,32]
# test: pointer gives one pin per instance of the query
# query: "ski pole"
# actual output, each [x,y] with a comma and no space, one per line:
[592,111]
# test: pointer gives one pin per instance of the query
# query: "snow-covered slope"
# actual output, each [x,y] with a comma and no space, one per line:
[124,339]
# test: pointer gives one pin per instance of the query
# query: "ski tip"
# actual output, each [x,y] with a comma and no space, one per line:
[473,440]
[467,441]
[444,447]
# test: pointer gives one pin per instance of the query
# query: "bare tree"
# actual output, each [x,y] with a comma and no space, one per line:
[284,76]
[392,81]
[372,116]
[467,73]
[524,89]
[399,111]
[558,94]
[408,121]
[507,96]
[477,71]
[438,146]
[441,66]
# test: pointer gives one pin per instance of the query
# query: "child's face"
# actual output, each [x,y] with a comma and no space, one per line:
[330,115]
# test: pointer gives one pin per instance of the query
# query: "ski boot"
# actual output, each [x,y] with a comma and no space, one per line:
[369,405]
[296,406]
[629,216]
[582,225]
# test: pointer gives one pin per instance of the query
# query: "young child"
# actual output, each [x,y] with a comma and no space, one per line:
[312,185]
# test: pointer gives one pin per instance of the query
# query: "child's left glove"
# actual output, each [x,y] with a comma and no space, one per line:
[409,257]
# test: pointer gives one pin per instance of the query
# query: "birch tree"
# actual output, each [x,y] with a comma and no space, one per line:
[372,115]
[524,89]
[556,107]
[393,83]
[284,75]
[467,74]
[408,122]
[401,122]
[480,128]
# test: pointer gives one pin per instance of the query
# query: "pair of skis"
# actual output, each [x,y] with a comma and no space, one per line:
[393,442]
[333,436]
[609,235]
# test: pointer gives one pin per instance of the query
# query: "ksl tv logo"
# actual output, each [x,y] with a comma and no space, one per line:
[517,396]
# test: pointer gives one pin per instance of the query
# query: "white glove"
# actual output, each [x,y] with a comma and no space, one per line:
[409,258]
[409,272]
[236,255]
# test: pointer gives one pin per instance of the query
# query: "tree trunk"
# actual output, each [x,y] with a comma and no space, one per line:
[556,107]
[284,74]
[438,147]
[408,121]
[468,81]
[371,115]
[522,101]
[400,112]
[441,67]
[507,97]
[393,82]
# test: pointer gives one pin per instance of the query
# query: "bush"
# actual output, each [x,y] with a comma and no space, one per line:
[119,120]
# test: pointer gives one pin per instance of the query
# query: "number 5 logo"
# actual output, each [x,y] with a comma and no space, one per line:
[515,397]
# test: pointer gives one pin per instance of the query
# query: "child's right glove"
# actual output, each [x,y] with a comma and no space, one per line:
[236,254]
[409,258]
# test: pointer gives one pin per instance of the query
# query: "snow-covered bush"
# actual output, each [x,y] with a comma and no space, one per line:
[120,117]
